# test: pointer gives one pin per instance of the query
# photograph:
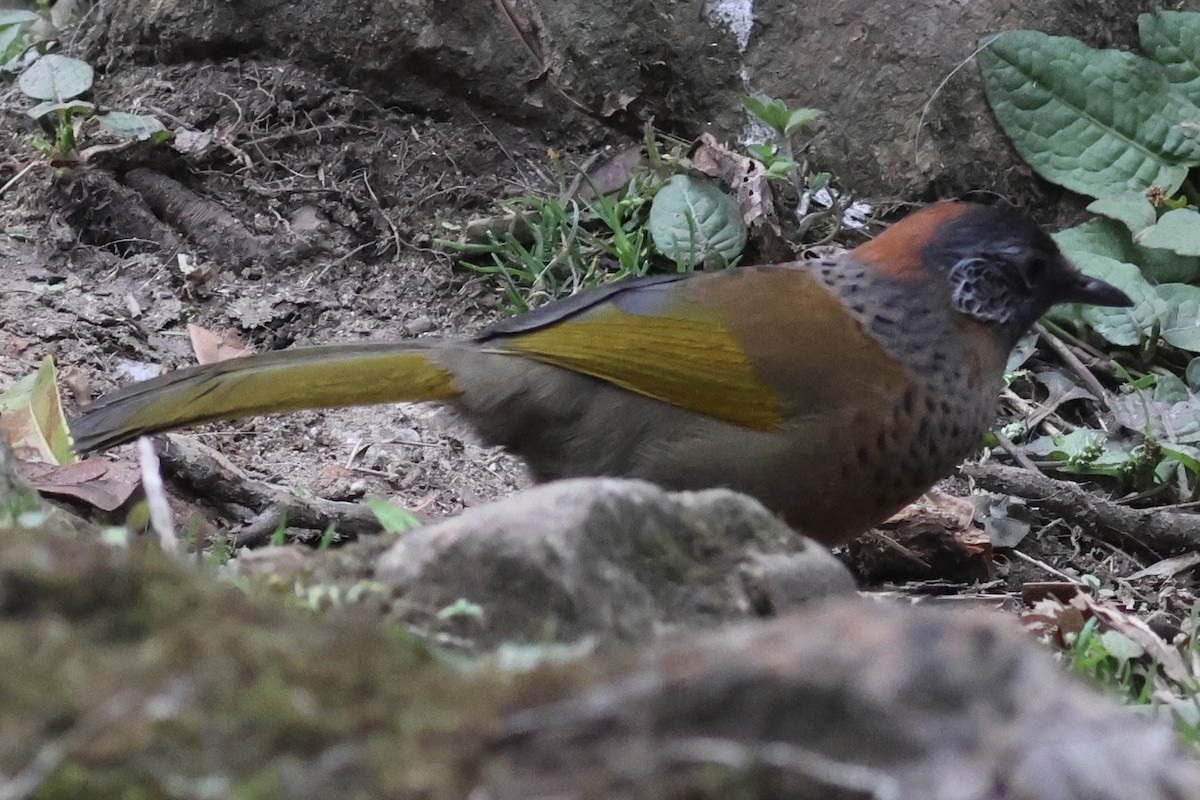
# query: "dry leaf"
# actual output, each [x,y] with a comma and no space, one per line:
[211,347]
[1168,567]
[612,174]
[1115,619]
[103,484]
[747,177]
[31,418]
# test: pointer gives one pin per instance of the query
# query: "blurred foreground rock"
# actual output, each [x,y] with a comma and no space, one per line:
[847,700]
[125,674]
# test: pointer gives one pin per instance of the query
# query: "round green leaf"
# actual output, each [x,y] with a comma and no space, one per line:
[1192,374]
[50,106]
[1098,122]
[55,77]
[1120,646]
[1107,237]
[801,117]
[1177,230]
[1172,38]
[1181,318]
[692,222]
[131,126]
[1131,208]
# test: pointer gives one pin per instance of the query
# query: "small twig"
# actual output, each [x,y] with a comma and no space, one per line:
[1043,565]
[207,474]
[938,89]
[398,242]
[1072,361]
[11,182]
[336,126]
[1105,520]
[336,262]
[904,552]
[162,521]
[1017,453]
[258,530]
[1036,414]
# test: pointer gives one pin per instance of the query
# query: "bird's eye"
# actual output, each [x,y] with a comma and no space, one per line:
[1035,269]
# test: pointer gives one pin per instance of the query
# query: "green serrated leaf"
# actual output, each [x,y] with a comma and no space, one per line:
[1172,38]
[1087,452]
[1098,122]
[1177,231]
[801,117]
[1131,208]
[1101,237]
[764,151]
[1109,238]
[1163,266]
[1181,318]
[1173,422]
[1080,444]
[772,112]
[131,126]
[55,77]
[393,518]
[692,221]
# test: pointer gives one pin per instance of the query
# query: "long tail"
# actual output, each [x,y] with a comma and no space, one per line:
[271,383]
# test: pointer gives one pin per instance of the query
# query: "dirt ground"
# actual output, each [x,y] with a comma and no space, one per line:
[361,192]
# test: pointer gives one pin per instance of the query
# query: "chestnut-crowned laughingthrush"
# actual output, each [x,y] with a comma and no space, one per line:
[835,390]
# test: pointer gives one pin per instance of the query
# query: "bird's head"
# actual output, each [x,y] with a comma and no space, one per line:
[1002,270]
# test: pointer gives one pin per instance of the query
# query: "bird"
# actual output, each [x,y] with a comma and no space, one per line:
[834,390]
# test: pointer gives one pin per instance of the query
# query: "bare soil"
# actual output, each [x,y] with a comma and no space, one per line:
[317,210]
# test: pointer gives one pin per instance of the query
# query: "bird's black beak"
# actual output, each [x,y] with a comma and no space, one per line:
[1079,288]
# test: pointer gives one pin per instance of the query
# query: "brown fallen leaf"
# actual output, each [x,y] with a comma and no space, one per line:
[31,418]
[106,485]
[1055,619]
[1113,618]
[747,177]
[210,347]
[612,174]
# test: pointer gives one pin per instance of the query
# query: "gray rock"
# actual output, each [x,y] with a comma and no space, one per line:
[848,700]
[611,558]
[884,70]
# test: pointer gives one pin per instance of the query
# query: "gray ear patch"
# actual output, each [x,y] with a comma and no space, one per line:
[984,289]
